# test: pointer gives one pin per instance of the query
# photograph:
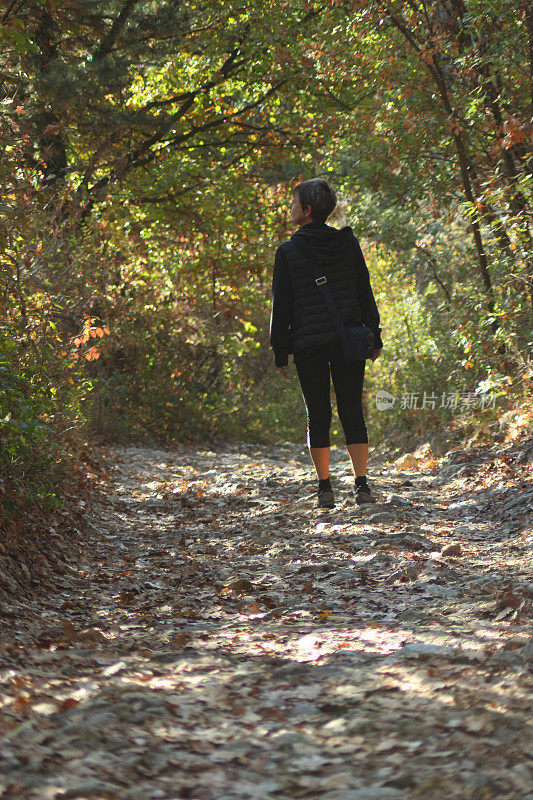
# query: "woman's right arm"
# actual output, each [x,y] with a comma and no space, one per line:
[280,318]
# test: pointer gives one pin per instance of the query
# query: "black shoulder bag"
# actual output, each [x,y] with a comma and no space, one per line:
[357,341]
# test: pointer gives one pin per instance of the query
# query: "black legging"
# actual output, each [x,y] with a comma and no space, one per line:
[313,372]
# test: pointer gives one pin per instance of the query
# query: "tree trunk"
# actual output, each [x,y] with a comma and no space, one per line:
[440,81]
[49,131]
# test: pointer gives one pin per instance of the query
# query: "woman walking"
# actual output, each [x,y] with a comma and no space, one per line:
[302,324]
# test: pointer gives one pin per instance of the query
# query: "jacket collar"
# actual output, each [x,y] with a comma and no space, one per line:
[312,225]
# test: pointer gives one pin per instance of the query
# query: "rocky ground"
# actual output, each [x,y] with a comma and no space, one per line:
[217,637]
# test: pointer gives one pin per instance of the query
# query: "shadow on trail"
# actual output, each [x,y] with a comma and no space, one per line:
[243,644]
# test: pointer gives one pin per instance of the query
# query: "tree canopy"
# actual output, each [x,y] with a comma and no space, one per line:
[148,155]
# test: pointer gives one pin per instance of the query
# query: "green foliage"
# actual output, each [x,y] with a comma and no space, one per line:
[33,454]
[149,153]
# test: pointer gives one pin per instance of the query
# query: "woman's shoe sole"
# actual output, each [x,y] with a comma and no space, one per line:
[361,498]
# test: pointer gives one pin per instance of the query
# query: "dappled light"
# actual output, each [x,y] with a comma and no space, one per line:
[211,640]
[234,238]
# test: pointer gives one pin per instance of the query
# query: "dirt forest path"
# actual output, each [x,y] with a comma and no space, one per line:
[219,638]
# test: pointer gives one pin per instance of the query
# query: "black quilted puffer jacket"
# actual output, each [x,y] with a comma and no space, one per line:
[300,321]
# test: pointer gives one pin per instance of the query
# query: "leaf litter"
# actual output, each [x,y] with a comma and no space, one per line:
[218,637]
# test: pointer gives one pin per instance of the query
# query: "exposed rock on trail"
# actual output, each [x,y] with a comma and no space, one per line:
[220,638]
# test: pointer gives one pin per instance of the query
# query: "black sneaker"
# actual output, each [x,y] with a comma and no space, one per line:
[326,498]
[364,494]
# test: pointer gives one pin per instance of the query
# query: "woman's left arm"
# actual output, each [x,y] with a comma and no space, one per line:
[369,309]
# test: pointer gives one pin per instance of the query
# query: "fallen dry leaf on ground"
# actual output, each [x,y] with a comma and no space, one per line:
[219,638]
